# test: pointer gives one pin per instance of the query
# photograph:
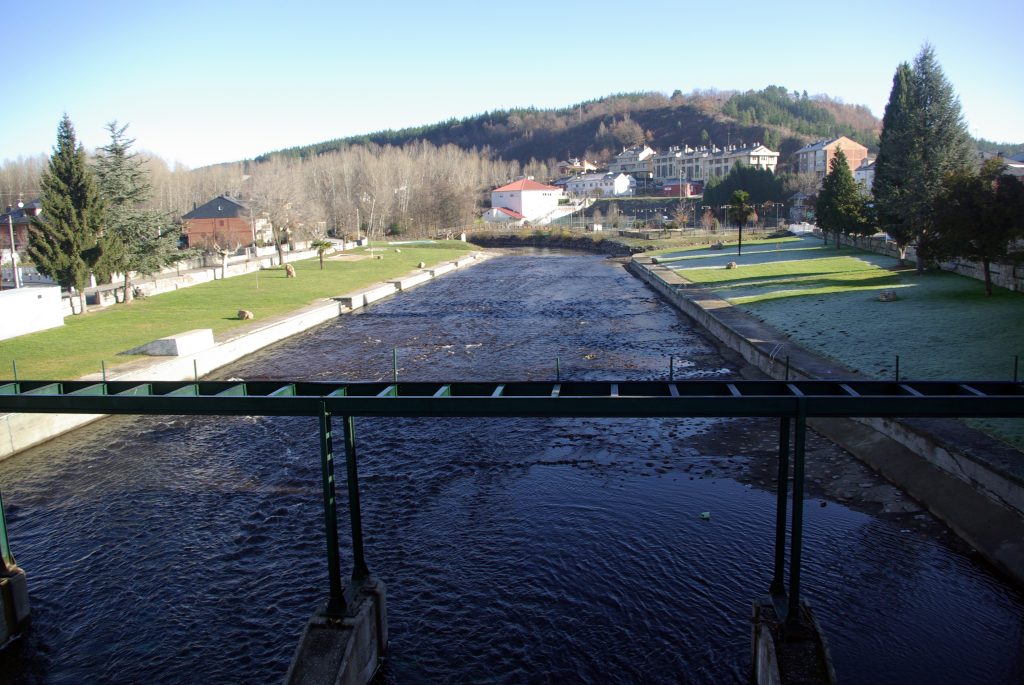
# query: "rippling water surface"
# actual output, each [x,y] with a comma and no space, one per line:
[191,549]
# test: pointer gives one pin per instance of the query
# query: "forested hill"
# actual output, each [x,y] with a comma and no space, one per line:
[780,119]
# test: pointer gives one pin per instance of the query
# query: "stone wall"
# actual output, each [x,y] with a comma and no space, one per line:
[1004,275]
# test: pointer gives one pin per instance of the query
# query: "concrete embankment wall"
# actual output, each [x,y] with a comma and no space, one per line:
[21,431]
[969,480]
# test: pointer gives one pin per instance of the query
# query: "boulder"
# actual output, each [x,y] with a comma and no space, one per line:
[244,314]
[730,265]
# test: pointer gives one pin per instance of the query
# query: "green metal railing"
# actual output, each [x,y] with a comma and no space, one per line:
[791,402]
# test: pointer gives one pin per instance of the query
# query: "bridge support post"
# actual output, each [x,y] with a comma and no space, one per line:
[14,606]
[345,642]
[778,586]
[792,617]
[336,602]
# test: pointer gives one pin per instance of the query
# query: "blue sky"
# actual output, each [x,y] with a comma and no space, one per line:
[206,82]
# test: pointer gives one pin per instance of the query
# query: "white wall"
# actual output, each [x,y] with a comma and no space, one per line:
[27,310]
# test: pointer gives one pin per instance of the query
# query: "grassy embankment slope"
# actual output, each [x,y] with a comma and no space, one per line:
[942,325]
[78,347]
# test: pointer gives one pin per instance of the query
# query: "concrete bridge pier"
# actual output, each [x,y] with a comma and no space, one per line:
[13,589]
[347,650]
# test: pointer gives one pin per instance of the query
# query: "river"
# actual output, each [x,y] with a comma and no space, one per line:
[190,549]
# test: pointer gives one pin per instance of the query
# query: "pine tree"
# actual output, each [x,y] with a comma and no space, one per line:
[137,240]
[927,142]
[64,239]
[840,207]
[894,151]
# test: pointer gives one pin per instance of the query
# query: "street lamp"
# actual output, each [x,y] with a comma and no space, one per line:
[10,231]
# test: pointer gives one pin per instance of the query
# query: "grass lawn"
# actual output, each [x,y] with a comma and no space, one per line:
[78,347]
[942,325]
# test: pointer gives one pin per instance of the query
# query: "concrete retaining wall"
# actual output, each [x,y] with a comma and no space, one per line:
[985,467]
[27,310]
[961,461]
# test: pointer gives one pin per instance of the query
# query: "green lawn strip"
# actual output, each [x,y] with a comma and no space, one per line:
[687,249]
[78,347]
[942,326]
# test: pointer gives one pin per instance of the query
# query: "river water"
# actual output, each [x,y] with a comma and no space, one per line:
[190,549]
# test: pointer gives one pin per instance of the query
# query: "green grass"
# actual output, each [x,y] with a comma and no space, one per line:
[942,325]
[78,347]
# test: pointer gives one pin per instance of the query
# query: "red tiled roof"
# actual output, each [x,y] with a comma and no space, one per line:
[524,184]
[511,212]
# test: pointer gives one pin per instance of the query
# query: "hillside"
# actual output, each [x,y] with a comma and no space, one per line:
[781,119]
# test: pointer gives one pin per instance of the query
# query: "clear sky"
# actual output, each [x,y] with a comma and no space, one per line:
[222,80]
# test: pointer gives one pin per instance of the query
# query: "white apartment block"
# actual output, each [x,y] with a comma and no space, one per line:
[704,163]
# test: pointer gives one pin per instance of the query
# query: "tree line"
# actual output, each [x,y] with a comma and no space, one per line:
[929,190]
[118,211]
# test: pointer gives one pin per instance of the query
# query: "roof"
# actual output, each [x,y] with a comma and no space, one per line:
[22,215]
[821,144]
[509,212]
[523,184]
[221,207]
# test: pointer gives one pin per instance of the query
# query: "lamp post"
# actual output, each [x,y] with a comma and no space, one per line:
[14,255]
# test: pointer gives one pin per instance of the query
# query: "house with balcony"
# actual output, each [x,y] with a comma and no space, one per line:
[574,166]
[637,161]
[816,158]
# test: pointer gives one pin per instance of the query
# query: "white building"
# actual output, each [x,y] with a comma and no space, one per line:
[637,161]
[601,185]
[532,201]
[703,163]
[865,174]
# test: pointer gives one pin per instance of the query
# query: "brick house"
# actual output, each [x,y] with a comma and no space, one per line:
[19,218]
[817,157]
[223,221]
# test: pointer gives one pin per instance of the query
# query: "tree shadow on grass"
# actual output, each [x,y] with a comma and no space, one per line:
[797,287]
[809,277]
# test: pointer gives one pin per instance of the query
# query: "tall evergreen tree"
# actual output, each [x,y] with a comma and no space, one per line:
[840,207]
[929,142]
[894,154]
[64,240]
[137,240]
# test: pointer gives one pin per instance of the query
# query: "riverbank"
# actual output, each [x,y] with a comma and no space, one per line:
[21,431]
[87,342]
[972,482]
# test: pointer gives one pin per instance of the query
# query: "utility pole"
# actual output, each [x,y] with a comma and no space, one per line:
[14,255]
